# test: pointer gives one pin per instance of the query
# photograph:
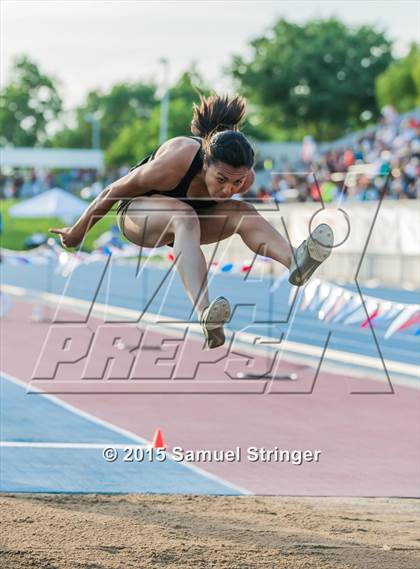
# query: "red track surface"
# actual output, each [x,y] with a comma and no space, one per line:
[369,443]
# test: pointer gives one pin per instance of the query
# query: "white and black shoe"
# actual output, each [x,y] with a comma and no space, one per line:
[213,319]
[310,254]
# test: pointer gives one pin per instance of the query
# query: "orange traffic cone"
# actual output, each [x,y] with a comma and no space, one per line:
[158,439]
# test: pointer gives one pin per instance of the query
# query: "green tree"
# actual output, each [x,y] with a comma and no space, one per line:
[123,105]
[27,104]
[315,78]
[139,138]
[399,85]
[132,143]
[183,94]
[186,92]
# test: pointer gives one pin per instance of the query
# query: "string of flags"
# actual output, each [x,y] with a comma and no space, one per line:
[330,303]
[67,262]
[335,304]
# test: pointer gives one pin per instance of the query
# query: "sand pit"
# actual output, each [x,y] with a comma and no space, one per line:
[138,531]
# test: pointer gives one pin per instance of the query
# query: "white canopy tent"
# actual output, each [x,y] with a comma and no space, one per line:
[53,203]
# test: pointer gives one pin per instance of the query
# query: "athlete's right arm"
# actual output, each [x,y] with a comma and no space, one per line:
[160,174]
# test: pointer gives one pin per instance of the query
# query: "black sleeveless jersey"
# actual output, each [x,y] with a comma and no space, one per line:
[180,191]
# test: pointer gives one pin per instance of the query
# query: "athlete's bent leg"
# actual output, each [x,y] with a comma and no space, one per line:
[191,264]
[155,221]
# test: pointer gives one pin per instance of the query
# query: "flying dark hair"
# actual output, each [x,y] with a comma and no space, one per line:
[217,120]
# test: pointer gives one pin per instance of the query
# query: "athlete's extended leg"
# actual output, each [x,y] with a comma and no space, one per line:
[233,216]
[261,237]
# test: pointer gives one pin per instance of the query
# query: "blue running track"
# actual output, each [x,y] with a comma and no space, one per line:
[45,448]
[120,287]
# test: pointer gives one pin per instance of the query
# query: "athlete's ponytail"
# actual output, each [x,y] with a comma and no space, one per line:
[217,120]
[215,114]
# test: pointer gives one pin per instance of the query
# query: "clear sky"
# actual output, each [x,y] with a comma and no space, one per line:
[89,44]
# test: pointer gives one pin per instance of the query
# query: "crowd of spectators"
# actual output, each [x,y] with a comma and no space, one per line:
[26,183]
[358,171]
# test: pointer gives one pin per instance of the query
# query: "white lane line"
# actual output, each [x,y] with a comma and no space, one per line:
[291,349]
[76,410]
[30,444]
[126,433]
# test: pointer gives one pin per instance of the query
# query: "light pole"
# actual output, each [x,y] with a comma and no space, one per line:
[164,105]
[95,120]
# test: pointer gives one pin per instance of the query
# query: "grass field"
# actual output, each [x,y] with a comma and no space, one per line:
[16,230]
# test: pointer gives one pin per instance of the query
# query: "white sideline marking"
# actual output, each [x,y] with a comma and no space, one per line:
[334,357]
[32,444]
[124,432]
[25,444]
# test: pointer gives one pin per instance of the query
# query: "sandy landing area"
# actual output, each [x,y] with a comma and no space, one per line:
[138,531]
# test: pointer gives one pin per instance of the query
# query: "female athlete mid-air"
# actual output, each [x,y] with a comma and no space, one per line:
[181,196]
